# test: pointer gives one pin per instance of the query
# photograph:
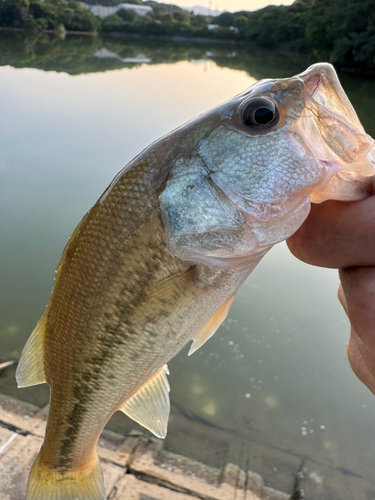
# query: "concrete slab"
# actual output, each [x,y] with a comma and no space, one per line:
[112,474]
[189,476]
[131,488]
[6,438]
[16,413]
[134,468]
[151,460]
[16,464]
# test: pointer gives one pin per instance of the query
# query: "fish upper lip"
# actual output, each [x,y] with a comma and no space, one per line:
[316,87]
[312,83]
[315,75]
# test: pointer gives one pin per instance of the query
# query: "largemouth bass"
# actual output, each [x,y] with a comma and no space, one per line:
[157,261]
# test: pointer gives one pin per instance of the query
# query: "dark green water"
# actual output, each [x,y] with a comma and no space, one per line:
[73,113]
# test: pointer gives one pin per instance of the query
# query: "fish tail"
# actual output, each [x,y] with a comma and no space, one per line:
[85,483]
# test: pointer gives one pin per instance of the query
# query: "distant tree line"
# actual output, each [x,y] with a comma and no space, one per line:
[339,31]
[39,15]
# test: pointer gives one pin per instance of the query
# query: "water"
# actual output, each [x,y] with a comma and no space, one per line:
[273,389]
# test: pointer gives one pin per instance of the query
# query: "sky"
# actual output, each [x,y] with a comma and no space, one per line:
[231,5]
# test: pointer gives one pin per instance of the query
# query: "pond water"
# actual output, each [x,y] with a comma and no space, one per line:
[73,113]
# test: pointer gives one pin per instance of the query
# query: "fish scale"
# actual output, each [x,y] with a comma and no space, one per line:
[120,285]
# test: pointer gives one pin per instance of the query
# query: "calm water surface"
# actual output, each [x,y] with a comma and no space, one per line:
[73,113]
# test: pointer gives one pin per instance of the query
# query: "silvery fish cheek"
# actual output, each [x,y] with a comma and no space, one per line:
[197,216]
[237,193]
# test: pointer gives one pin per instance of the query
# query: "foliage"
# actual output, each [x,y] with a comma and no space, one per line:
[162,7]
[42,15]
[110,3]
[166,20]
[127,15]
[278,26]
[182,16]
[225,19]
[82,54]
[343,32]
[199,21]
[340,31]
[112,22]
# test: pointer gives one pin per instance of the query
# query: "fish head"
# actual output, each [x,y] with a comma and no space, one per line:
[268,152]
[255,156]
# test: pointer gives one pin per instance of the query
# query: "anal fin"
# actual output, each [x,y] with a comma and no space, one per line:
[210,328]
[150,405]
[30,370]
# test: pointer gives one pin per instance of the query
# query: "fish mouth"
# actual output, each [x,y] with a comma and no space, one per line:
[334,136]
[323,86]
[332,129]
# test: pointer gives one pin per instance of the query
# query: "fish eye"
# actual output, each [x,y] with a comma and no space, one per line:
[260,113]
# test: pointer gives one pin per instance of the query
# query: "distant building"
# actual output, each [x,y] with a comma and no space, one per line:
[216,26]
[102,11]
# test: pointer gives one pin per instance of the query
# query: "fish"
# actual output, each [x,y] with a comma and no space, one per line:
[157,261]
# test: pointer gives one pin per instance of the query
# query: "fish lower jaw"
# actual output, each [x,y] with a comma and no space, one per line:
[353,183]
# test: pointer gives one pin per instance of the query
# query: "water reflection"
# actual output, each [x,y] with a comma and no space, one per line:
[85,54]
[272,390]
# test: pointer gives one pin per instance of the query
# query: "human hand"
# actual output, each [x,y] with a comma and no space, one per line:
[342,235]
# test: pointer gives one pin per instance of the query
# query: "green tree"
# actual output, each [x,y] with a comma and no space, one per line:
[111,22]
[41,15]
[127,15]
[182,16]
[198,20]
[225,19]
[14,12]
[278,26]
[240,22]
[77,18]
[165,7]
[343,32]
[166,17]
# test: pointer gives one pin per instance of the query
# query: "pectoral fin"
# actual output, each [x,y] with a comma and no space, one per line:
[30,369]
[210,328]
[150,405]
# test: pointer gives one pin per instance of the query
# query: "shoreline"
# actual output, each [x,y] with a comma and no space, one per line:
[119,34]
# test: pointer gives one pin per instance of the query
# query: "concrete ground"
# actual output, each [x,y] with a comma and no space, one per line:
[135,467]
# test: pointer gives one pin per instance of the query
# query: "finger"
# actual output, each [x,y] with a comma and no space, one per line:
[361,361]
[342,299]
[358,285]
[337,235]
[356,295]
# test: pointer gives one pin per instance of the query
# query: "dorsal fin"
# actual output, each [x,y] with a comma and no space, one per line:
[30,370]
[150,405]
[210,328]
